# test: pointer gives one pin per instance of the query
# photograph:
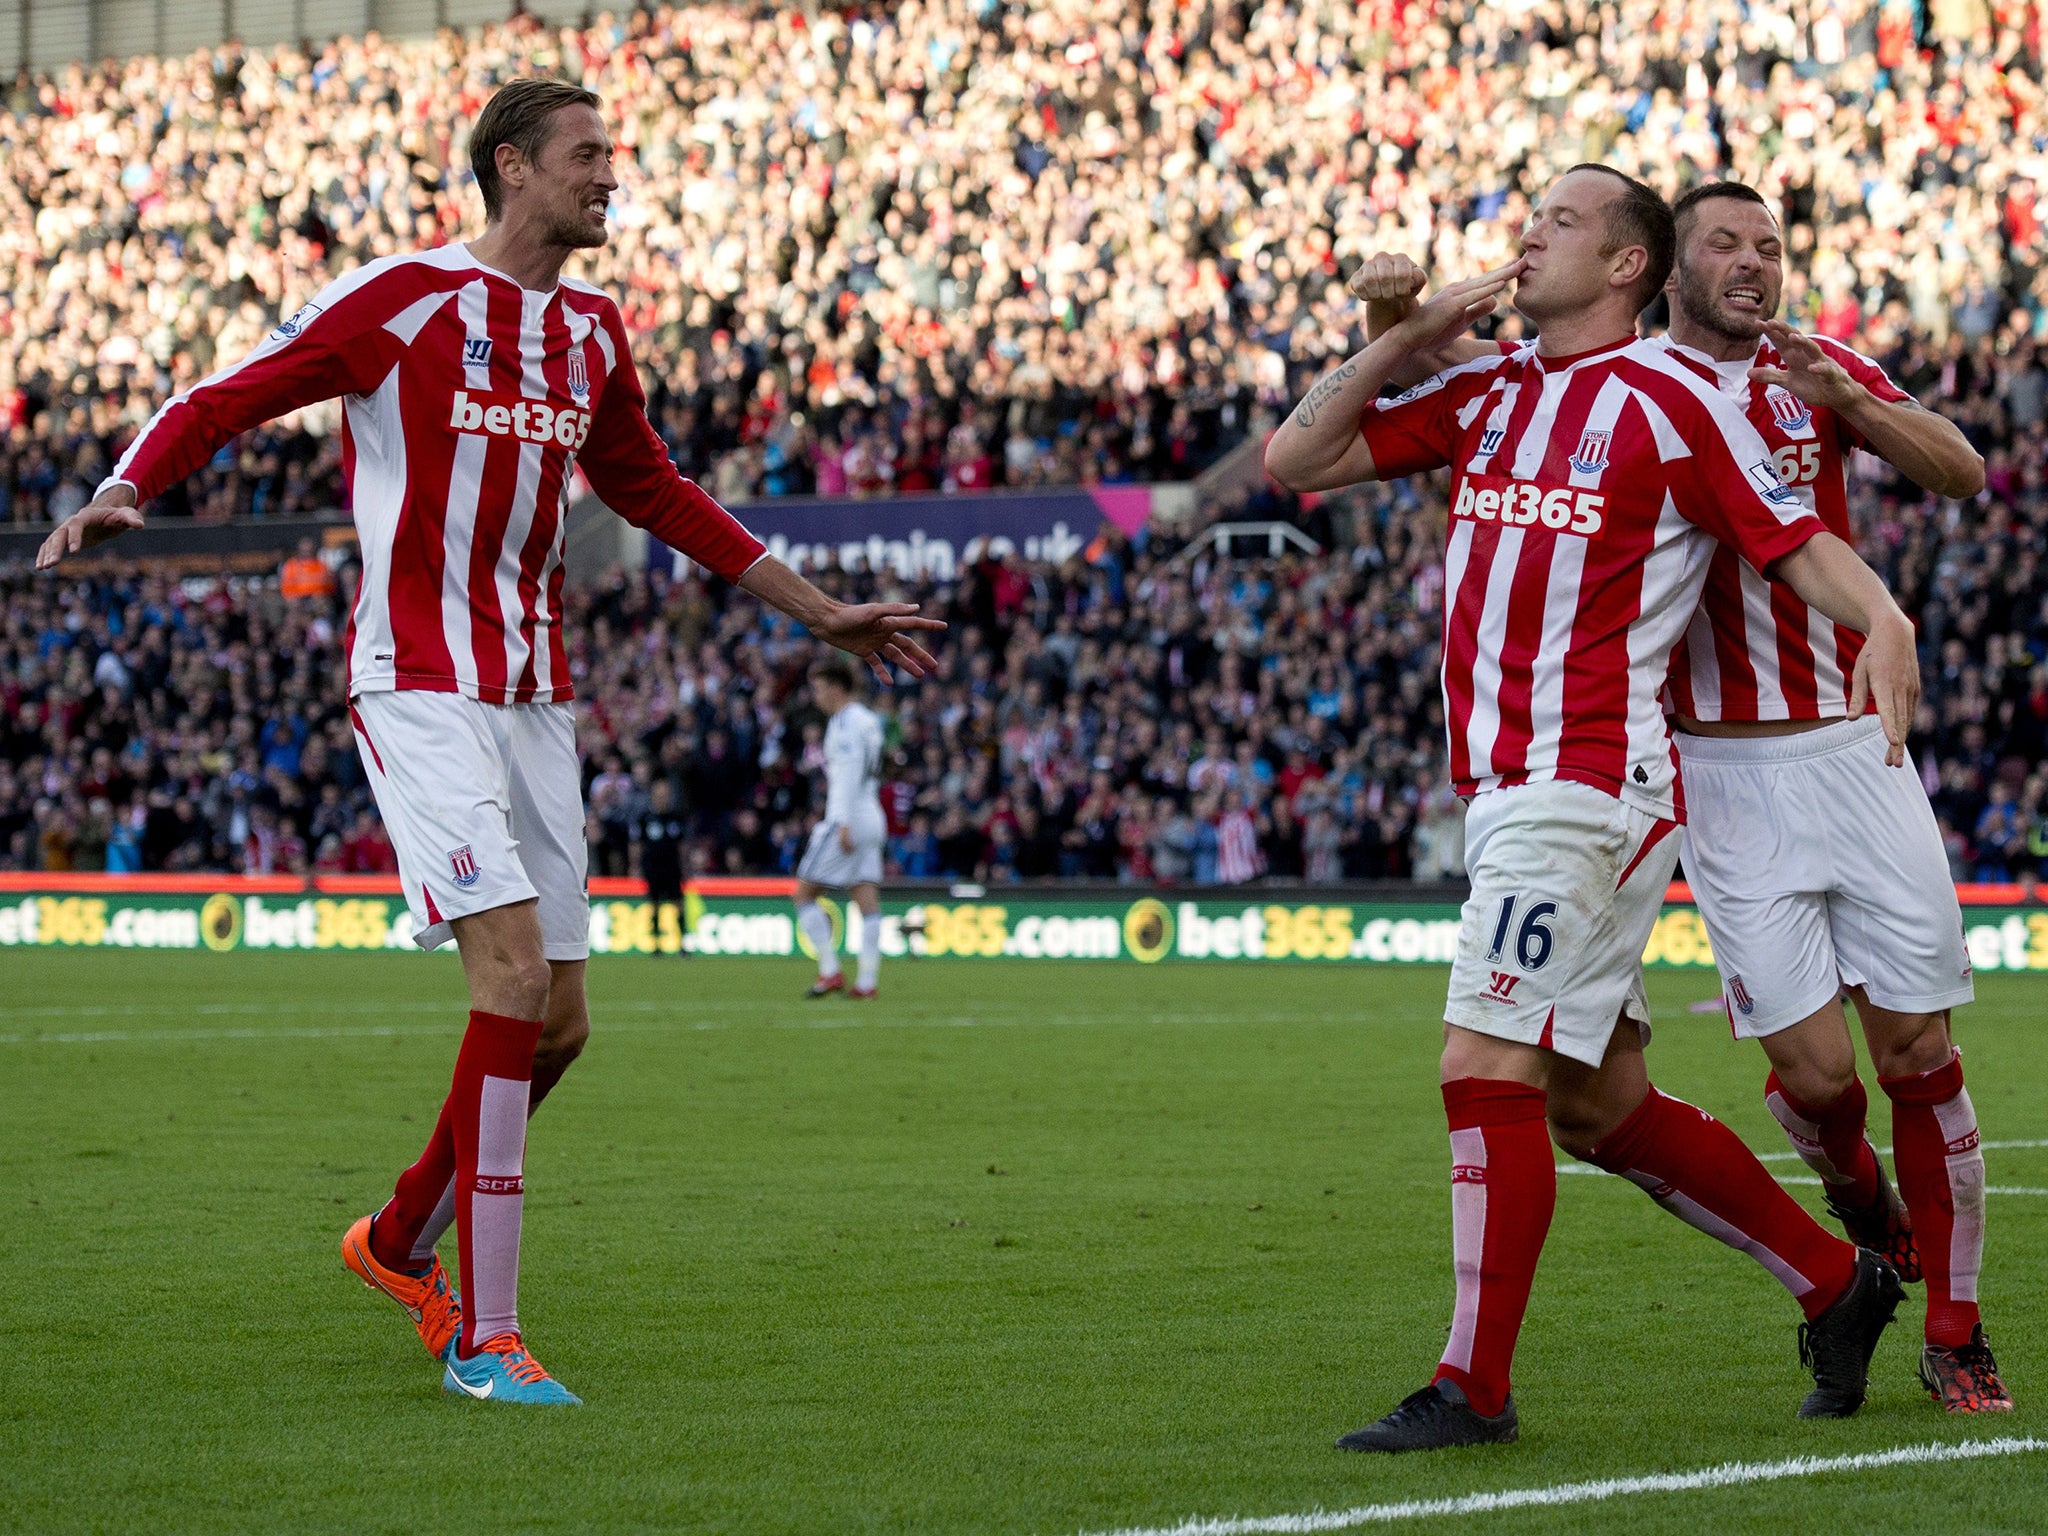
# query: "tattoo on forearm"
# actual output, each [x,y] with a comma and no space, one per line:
[1322,393]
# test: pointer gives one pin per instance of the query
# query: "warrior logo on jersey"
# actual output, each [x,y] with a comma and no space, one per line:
[1590,457]
[463,862]
[476,352]
[579,380]
[1738,994]
[1788,409]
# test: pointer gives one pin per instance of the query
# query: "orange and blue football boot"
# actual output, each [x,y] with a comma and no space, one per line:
[428,1299]
[501,1371]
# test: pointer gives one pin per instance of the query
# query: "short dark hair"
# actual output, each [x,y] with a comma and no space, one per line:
[1706,191]
[835,669]
[519,115]
[1639,217]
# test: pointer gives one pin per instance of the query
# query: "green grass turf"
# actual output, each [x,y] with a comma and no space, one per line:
[1019,1250]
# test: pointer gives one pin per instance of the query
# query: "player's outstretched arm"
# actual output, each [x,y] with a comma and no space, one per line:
[1319,447]
[335,345]
[882,634]
[108,515]
[1928,449]
[1391,286]
[1832,577]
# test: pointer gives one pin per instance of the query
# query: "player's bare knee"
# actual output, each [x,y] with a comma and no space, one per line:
[519,982]
[563,1038]
[1911,1043]
[1577,1127]
[1816,1082]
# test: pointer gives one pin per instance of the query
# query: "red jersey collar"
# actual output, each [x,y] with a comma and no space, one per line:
[1568,359]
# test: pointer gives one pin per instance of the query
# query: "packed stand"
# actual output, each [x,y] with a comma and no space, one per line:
[1072,242]
[1158,714]
[957,243]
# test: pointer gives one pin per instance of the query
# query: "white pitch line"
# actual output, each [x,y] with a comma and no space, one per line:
[1989,1189]
[1990,1146]
[601,1019]
[1728,1475]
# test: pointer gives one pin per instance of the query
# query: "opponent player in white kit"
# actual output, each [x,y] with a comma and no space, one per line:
[845,850]
[1592,475]
[474,379]
[1819,870]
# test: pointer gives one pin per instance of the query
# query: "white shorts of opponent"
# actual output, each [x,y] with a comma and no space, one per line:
[1816,868]
[484,803]
[1567,883]
[828,864]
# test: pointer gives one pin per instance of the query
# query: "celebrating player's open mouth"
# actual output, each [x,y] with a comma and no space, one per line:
[1596,472]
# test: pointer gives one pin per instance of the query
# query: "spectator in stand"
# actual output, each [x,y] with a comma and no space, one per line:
[305,577]
[1237,841]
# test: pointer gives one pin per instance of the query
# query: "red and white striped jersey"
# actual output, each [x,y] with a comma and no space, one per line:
[467,399]
[1754,651]
[1586,498]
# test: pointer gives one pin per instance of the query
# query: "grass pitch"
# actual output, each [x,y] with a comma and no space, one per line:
[1018,1250]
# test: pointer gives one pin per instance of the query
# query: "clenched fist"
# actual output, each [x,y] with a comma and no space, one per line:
[1387,278]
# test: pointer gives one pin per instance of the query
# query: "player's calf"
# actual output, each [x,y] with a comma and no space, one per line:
[1941,1175]
[1831,1139]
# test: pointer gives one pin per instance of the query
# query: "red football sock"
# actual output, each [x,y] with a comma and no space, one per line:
[1831,1140]
[1699,1170]
[413,1221]
[395,1234]
[487,1111]
[1503,1190]
[1941,1178]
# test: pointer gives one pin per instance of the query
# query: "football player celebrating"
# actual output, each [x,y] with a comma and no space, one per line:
[475,379]
[1592,476]
[1819,871]
[845,851]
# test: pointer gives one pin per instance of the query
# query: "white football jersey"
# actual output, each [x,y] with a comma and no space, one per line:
[853,770]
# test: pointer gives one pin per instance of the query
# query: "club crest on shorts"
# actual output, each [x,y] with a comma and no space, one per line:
[1788,410]
[1590,457]
[579,378]
[1738,994]
[463,862]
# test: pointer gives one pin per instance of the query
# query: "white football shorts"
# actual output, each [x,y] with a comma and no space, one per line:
[826,863]
[1816,868]
[484,803]
[1567,883]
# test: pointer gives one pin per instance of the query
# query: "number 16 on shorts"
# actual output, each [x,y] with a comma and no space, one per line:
[1533,940]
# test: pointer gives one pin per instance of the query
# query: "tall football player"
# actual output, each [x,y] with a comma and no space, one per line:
[1592,476]
[845,851]
[474,378]
[1819,870]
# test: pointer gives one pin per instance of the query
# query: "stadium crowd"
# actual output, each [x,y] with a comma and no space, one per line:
[1156,713]
[954,244]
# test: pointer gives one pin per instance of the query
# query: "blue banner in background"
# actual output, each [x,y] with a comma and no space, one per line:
[934,535]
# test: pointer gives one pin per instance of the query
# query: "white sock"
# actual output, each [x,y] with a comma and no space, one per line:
[817,927]
[870,951]
[437,1224]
